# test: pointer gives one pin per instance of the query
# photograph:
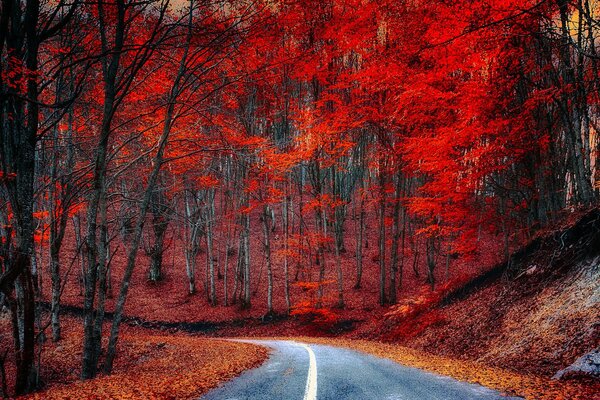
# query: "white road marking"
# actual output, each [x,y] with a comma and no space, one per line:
[310,393]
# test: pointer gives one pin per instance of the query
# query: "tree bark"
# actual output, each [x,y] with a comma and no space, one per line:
[267,249]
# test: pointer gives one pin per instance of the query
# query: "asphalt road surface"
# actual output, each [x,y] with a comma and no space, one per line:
[309,372]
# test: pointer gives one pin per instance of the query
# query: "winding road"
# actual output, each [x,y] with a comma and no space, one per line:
[310,372]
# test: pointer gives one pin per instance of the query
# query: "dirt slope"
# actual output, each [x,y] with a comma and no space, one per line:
[536,316]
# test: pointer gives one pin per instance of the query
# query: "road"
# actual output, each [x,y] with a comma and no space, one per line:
[310,372]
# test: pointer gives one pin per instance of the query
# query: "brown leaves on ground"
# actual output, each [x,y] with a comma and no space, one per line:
[528,386]
[155,366]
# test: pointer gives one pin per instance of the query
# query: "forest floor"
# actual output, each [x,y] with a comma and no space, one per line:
[150,365]
[155,365]
[176,365]
[511,332]
[168,299]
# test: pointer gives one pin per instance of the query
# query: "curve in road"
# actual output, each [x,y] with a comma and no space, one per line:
[310,372]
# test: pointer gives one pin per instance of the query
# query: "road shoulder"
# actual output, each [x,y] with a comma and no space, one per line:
[511,383]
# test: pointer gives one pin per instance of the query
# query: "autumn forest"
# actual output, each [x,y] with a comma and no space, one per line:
[329,169]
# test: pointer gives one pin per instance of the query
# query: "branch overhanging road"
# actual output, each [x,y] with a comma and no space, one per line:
[310,372]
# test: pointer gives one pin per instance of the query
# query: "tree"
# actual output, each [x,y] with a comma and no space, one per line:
[24,28]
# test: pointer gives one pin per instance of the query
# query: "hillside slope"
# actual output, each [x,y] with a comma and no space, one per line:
[536,315]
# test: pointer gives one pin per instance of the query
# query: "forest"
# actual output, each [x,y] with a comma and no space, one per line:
[279,160]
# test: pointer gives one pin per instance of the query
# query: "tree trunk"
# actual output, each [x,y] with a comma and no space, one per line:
[24,334]
[359,242]
[395,240]
[209,246]
[267,249]
[191,248]
[431,261]
[382,266]
[246,261]
[159,226]
[286,237]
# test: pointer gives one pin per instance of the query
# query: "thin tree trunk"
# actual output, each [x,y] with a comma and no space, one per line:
[103,255]
[382,266]
[267,249]
[359,242]
[431,261]
[209,246]
[395,240]
[286,237]
[191,250]
[246,261]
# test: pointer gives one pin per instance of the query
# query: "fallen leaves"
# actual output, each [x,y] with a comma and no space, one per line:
[163,367]
[528,386]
